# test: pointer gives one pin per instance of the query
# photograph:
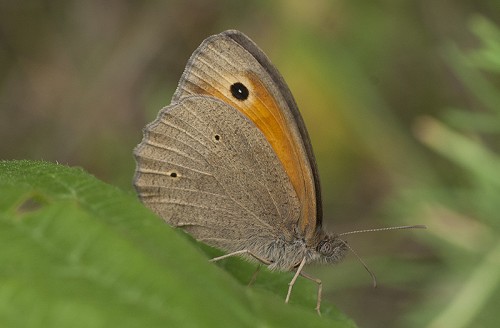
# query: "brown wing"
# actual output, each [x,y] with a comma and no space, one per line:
[231,57]
[204,166]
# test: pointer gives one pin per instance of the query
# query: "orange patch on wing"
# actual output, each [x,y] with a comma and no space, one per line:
[263,110]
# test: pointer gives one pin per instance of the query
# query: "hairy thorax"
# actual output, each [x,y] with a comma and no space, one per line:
[286,255]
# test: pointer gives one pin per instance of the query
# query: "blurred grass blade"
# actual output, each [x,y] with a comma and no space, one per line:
[474,81]
[462,150]
[472,121]
[486,57]
[474,295]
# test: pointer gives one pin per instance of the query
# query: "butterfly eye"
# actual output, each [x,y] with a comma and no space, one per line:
[239,91]
[326,248]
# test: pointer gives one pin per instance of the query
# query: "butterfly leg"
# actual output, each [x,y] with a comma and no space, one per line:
[298,273]
[320,289]
[254,276]
[292,282]
[244,251]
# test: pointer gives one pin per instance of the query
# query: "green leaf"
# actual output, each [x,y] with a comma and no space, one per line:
[79,253]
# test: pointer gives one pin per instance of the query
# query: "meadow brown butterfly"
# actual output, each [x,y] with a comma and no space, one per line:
[230,161]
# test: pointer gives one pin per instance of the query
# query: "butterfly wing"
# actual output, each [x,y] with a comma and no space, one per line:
[230,57]
[203,166]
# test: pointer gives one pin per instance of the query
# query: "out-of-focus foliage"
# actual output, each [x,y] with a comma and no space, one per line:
[401,99]
[465,215]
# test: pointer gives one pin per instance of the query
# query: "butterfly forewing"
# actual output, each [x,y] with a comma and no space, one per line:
[205,167]
[229,58]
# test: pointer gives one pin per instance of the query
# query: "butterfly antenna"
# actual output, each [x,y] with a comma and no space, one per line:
[374,279]
[418,226]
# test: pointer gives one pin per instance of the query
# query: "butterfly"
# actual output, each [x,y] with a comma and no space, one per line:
[230,162]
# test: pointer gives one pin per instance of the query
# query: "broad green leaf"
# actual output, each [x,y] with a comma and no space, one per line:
[76,252]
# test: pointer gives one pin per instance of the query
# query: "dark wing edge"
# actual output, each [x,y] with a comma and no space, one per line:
[273,72]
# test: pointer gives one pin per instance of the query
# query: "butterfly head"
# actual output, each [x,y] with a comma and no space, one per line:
[331,249]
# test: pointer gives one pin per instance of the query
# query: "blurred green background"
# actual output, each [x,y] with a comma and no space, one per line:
[401,99]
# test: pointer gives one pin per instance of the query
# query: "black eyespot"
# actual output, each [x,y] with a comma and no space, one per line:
[217,137]
[239,91]
[173,175]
